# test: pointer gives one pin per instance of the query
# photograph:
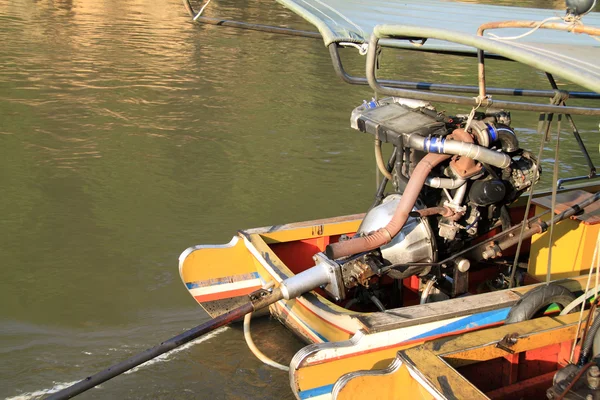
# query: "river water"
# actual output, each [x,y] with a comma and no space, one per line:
[127,134]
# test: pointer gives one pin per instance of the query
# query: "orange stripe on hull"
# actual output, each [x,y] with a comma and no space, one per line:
[225,295]
[307,332]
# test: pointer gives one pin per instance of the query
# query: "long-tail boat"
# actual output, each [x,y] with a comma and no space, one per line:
[459,237]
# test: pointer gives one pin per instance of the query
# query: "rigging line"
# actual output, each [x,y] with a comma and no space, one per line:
[553,205]
[259,354]
[542,127]
[201,10]
[543,131]
[596,264]
[473,110]
[248,337]
[538,26]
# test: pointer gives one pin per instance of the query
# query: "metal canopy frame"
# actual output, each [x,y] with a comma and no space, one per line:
[444,87]
[547,64]
[414,86]
[428,90]
[512,52]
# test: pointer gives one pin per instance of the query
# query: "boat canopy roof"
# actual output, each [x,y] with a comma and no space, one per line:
[354,20]
[578,65]
[573,56]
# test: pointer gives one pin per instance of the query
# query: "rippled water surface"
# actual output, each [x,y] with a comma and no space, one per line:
[127,134]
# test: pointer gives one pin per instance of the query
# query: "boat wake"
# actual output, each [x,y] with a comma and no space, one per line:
[43,392]
[162,358]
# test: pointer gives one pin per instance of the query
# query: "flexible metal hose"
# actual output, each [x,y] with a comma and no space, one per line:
[405,206]
[586,347]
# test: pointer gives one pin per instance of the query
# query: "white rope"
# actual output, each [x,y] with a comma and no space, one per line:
[570,20]
[201,10]
[553,201]
[584,297]
[526,33]
[479,100]
[255,349]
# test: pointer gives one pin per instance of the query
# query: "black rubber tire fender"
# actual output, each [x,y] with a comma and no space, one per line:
[537,300]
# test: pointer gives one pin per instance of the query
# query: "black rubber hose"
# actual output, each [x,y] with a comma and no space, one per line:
[505,218]
[586,348]
[507,138]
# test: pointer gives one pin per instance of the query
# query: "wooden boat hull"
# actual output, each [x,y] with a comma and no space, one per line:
[472,366]
[342,341]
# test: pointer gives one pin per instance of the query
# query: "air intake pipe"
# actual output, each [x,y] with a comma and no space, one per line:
[385,234]
[456,147]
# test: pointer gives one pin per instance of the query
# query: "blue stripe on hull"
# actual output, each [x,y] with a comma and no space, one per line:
[471,322]
[307,394]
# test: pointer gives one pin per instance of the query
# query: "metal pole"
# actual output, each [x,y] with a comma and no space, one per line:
[257,300]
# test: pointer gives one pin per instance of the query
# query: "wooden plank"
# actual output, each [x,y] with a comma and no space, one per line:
[462,306]
[437,360]
[537,333]
[445,379]
[424,313]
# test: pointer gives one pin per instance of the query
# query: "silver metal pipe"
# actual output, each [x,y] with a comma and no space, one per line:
[306,281]
[457,147]
[444,183]
[459,196]
[427,290]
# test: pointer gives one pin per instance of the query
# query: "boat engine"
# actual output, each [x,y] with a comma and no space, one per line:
[452,177]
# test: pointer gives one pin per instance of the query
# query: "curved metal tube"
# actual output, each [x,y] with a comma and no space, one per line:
[461,148]
[371,63]
[429,86]
[444,183]
[379,160]
[427,290]
[507,139]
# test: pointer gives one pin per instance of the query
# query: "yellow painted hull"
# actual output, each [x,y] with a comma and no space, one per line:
[432,370]
[342,341]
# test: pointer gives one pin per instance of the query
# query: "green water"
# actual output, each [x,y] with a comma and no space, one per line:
[127,134]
